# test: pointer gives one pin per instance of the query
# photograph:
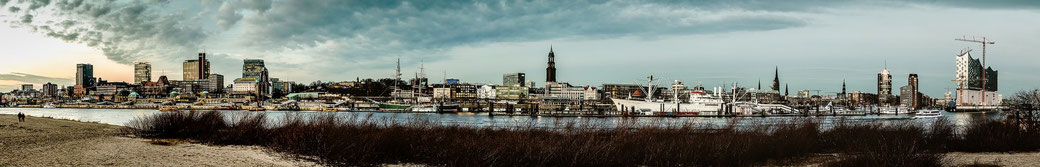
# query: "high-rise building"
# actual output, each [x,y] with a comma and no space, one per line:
[252,68]
[197,69]
[85,75]
[191,70]
[884,82]
[550,71]
[884,88]
[203,67]
[913,82]
[969,72]
[215,84]
[142,72]
[511,79]
[27,87]
[50,90]
[975,86]
[909,96]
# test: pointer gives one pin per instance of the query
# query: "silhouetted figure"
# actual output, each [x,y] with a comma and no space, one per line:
[21,117]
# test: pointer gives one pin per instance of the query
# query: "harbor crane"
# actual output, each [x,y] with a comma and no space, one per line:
[984,42]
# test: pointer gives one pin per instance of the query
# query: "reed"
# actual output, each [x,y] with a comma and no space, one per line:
[361,140]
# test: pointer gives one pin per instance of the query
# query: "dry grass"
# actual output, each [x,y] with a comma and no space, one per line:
[984,135]
[358,140]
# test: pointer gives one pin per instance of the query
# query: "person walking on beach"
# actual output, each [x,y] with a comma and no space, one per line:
[21,117]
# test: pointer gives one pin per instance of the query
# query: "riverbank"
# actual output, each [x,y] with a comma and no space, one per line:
[785,143]
[55,142]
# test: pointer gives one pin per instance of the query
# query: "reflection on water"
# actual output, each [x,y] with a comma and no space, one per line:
[123,116]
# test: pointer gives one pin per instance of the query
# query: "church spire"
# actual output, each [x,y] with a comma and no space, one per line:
[550,70]
[776,80]
[843,87]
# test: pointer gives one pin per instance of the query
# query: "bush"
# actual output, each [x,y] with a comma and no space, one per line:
[186,125]
[985,135]
[358,140]
[900,144]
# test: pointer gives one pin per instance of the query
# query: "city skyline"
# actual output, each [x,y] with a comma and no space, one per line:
[815,44]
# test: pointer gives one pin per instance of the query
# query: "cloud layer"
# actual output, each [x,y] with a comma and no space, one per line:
[319,39]
[331,35]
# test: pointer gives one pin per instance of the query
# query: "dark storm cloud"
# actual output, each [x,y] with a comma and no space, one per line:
[386,29]
[125,31]
[350,34]
[230,12]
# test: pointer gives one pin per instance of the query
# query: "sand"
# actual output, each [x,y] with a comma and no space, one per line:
[1002,159]
[54,142]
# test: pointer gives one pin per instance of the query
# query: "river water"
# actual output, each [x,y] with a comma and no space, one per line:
[123,116]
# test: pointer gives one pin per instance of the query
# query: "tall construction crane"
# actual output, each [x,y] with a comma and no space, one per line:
[984,42]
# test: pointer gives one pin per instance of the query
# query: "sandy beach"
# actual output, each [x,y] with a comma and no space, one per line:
[55,142]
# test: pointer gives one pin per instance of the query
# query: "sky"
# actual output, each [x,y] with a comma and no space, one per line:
[814,44]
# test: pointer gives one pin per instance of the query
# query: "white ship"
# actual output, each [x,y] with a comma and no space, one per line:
[928,114]
[893,110]
[699,103]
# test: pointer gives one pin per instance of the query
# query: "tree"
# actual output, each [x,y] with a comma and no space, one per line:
[1026,100]
[1024,104]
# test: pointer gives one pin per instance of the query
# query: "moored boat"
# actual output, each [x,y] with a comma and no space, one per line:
[425,108]
[928,114]
[393,107]
[699,102]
